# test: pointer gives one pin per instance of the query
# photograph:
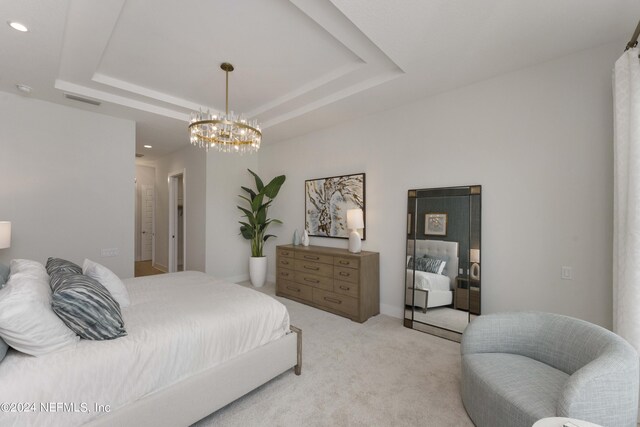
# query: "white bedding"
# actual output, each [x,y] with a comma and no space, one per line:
[178,324]
[428,281]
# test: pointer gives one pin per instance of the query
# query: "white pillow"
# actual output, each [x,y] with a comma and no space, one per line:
[27,322]
[108,279]
[28,267]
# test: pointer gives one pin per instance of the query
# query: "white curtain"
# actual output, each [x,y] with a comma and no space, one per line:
[626,210]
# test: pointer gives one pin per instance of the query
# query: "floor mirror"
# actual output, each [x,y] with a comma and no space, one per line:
[443,290]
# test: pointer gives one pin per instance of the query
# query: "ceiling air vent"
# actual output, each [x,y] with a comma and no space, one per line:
[139,155]
[81,99]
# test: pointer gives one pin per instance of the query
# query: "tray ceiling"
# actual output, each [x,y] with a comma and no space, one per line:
[300,65]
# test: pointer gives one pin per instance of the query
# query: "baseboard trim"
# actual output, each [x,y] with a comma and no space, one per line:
[392,311]
[160,267]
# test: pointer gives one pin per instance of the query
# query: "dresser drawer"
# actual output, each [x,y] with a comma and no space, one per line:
[285,262]
[285,253]
[310,256]
[284,274]
[295,290]
[313,280]
[335,301]
[346,288]
[346,274]
[346,262]
[313,267]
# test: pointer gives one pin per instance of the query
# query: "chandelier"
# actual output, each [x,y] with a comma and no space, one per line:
[228,132]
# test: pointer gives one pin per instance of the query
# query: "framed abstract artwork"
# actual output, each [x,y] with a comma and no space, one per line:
[435,224]
[326,201]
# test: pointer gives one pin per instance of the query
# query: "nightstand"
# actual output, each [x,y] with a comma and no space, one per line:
[467,294]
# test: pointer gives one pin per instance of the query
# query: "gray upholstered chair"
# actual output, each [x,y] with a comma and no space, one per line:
[520,367]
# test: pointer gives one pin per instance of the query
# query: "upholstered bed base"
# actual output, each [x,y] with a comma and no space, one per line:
[196,397]
[428,299]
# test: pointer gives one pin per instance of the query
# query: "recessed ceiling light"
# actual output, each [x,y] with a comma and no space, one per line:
[17,26]
[148,146]
[24,89]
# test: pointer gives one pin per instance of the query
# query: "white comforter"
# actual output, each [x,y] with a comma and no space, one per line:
[428,281]
[178,325]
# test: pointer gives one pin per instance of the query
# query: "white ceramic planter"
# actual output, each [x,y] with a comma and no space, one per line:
[258,270]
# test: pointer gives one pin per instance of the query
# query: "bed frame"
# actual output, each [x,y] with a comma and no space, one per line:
[194,398]
[439,248]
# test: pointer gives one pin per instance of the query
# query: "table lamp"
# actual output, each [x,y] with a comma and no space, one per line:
[5,234]
[355,220]
[474,257]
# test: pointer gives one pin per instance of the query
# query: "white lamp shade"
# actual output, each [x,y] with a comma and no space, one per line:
[5,234]
[355,219]
[475,255]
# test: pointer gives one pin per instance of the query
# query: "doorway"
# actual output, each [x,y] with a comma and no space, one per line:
[177,221]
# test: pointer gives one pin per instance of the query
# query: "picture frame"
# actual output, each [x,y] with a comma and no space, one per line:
[435,224]
[326,202]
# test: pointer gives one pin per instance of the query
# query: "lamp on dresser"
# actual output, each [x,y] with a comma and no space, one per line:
[355,220]
[5,234]
[475,266]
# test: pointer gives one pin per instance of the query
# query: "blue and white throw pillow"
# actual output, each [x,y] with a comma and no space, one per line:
[87,308]
[427,264]
[4,274]
[59,264]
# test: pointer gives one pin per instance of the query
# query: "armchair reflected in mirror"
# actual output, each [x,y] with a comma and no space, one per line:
[442,278]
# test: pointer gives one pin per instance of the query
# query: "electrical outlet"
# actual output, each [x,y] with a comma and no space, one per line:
[110,252]
[566,273]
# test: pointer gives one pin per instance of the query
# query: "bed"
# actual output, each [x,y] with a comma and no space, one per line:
[194,344]
[427,290]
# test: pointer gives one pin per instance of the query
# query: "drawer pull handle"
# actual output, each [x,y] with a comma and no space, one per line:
[333,300]
[310,267]
[284,274]
[344,288]
[306,279]
[345,262]
[342,273]
[284,253]
[293,289]
[284,262]
[311,257]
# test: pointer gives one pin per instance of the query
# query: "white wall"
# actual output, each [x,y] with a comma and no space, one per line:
[145,175]
[193,162]
[227,251]
[538,140]
[67,183]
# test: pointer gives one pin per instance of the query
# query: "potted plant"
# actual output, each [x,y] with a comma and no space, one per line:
[257,222]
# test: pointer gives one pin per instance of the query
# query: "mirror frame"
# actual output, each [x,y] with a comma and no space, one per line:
[470,270]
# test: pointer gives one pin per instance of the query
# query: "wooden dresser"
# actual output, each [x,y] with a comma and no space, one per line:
[331,279]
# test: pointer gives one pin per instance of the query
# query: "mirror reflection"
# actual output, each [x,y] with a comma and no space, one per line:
[442,279]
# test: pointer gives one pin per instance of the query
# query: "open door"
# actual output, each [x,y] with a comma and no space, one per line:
[177,221]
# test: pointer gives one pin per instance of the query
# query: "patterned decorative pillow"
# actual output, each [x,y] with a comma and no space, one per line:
[4,274]
[443,263]
[59,264]
[55,279]
[87,308]
[428,264]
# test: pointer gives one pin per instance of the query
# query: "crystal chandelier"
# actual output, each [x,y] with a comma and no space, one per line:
[228,132]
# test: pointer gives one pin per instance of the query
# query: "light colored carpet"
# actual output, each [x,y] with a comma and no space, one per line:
[374,374]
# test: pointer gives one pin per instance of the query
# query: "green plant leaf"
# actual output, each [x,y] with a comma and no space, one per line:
[248,214]
[244,198]
[246,232]
[256,203]
[259,184]
[271,190]
[277,221]
[269,235]
[250,191]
